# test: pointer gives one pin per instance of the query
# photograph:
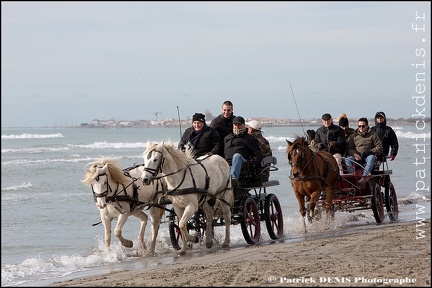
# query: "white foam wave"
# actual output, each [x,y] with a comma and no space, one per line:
[32,136]
[18,187]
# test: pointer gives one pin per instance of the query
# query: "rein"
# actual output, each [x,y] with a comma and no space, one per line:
[190,190]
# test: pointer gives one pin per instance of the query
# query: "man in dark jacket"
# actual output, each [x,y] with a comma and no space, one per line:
[331,138]
[200,138]
[239,148]
[224,122]
[387,136]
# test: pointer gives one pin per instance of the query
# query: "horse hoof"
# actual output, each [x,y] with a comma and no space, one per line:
[225,245]
[209,245]
[128,244]
[196,239]
[180,253]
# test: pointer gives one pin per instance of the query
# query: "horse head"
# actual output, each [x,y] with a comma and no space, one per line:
[104,177]
[153,162]
[299,155]
[99,184]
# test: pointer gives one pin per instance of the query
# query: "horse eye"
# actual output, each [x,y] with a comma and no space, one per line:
[97,178]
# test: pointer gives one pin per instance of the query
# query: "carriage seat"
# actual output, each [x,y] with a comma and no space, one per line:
[251,174]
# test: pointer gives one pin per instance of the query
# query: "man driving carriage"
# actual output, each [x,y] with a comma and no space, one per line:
[363,146]
[331,138]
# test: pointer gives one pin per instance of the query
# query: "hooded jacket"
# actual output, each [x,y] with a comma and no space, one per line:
[387,136]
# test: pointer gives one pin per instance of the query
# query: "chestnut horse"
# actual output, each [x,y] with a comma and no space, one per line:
[311,173]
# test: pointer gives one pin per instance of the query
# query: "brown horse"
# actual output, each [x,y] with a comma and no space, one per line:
[312,173]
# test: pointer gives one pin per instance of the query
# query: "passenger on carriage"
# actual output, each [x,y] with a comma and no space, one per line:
[224,122]
[240,148]
[387,136]
[363,146]
[311,136]
[348,131]
[331,138]
[254,129]
[200,138]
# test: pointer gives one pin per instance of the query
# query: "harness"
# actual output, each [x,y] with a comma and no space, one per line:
[122,195]
[183,191]
[311,161]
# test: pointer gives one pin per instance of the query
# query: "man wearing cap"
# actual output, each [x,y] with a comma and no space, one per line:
[254,129]
[331,138]
[200,138]
[387,136]
[239,148]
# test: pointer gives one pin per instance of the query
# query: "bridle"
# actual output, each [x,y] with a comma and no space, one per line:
[302,157]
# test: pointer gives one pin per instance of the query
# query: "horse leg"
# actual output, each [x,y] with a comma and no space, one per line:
[106,221]
[312,204]
[156,217]
[143,220]
[226,210]
[118,230]
[185,217]
[208,212]
[329,205]
[302,210]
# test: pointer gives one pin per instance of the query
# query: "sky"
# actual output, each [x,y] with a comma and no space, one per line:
[67,63]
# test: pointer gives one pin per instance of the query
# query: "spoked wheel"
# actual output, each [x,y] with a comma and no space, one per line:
[377,203]
[250,221]
[196,226]
[273,217]
[391,201]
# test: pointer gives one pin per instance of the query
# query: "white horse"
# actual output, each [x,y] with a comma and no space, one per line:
[119,194]
[190,183]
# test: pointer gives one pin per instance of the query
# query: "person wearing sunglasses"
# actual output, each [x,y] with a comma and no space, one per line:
[363,146]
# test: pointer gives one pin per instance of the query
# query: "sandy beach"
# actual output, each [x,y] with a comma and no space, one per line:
[396,254]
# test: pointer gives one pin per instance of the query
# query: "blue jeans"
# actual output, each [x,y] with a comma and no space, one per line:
[236,165]
[370,161]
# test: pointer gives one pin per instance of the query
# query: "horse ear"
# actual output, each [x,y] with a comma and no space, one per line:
[289,143]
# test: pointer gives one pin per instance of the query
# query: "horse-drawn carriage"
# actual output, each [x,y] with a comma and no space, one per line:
[319,186]
[252,205]
[375,192]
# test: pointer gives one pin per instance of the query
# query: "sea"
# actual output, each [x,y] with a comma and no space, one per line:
[47,213]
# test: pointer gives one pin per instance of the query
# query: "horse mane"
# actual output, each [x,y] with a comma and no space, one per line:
[299,140]
[114,169]
[182,159]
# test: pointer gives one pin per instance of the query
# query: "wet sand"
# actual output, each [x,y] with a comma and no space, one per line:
[396,254]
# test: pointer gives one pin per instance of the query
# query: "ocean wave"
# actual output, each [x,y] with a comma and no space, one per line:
[18,187]
[32,136]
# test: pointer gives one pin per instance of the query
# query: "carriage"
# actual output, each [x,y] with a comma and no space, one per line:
[252,205]
[375,193]
[319,186]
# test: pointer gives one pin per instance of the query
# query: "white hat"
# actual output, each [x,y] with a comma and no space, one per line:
[254,124]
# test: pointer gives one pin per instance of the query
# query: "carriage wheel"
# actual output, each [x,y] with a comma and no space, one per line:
[391,201]
[273,217]
[196,225]
[377,203]
[250,221]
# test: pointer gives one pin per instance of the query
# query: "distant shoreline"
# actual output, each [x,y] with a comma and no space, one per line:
[266,122]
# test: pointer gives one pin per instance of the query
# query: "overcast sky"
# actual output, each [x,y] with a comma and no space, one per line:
[66,63]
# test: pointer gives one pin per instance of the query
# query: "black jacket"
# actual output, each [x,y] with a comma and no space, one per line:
[330,139]
[208,141]
[223,126]
[387,136]
[245,144]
